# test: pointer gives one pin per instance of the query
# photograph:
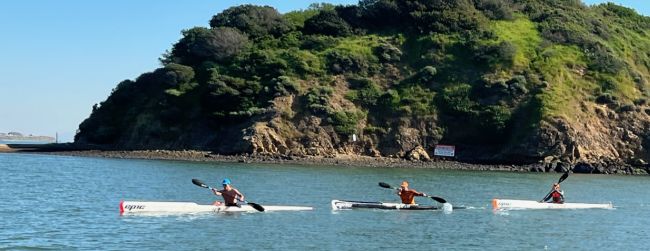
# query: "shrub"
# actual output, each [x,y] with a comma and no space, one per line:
[318,99]
[426,75]
[229,96]
[256,21]
[421,16]
[517,85]
[318,42]
[342,61]
[303,62]
[365,91]
[351,14]
[345,122]
[202,44]
[607,84]
[494,9]
[389,101]
[180,73]
[495,118]
[284,85]
[492,126]
[265,64]
[641,101]
[387,52]
[374,12]
[606,99]
[602,59]
[297,18]
[627,108]
[456,100]
[502,54]
[327,23]
[415,100]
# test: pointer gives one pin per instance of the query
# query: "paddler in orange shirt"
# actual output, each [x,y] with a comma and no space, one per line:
[408,195]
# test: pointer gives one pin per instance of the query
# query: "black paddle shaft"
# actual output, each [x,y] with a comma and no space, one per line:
[563,177]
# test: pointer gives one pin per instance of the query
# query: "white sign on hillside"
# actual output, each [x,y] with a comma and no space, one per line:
[445,151]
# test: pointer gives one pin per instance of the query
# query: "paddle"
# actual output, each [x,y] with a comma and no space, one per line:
[257,207]
[438,199]
[562,178]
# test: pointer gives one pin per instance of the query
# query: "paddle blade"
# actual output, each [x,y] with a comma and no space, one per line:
[199,183]
[384,185]
[438,199]
[257,207]
[564,176]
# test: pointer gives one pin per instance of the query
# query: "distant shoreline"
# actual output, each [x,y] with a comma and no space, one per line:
[70,149]
[44,139]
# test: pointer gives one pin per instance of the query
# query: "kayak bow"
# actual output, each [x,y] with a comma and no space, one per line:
[152,207]
[499,204]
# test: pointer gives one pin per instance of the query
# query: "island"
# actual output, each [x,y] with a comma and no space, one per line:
[16,136]
[554,85]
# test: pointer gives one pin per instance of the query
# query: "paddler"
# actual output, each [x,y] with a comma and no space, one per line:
[406,194]
[230,194]
[556,195]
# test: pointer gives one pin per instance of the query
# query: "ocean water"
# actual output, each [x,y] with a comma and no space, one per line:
[71,203]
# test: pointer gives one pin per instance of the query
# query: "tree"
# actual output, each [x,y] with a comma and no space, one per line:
[501,54]
[327,22]
[376,11]
[178,74]
[256,21]
[422,16]
[231,97]
[201,44]
[494,9]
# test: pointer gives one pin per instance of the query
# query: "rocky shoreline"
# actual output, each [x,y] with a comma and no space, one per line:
[338,160]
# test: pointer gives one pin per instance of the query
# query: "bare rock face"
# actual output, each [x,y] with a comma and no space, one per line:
[317,140]
[266,140]
[605,141]
[408,135]
[418,153]
[407,139]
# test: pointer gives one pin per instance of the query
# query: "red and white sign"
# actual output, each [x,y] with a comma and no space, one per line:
[445,151]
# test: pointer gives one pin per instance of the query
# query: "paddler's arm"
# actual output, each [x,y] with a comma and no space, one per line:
[418,193]
[241,196]
[216,192]
[548,196]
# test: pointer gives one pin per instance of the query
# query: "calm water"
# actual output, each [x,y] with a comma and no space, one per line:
[59,202]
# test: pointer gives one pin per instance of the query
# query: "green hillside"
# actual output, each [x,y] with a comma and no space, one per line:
[504,80]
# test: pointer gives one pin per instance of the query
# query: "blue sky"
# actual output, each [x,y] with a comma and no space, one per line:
[58,58]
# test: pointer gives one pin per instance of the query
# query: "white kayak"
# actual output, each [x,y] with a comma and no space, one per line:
[153,207]
[499,204]
[350,204]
